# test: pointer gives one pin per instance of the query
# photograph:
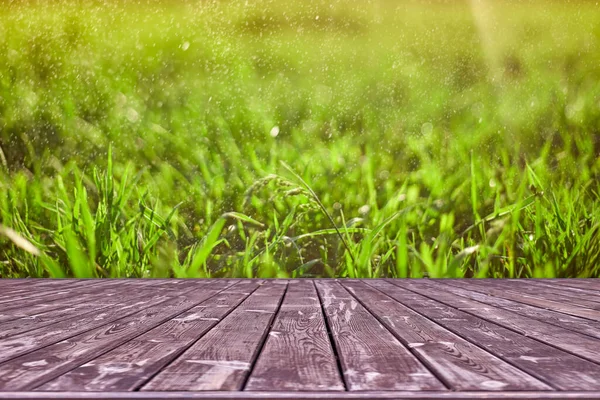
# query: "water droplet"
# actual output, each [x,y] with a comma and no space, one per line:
[132,115]
[426,128]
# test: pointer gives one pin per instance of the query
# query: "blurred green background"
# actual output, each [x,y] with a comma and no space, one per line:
[222,138]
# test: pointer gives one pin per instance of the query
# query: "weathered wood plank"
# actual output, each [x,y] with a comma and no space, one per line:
[35,285]
[27,342]
[68,296]
[536,301]
[37,292]
[28,295]
[128,303]
[460,364]
[555,367]
[31,322]
[370,356]
[104,293]
[131,365]
[23,319]
[222,358]
[558,368]
[581,325]
[28,282]
[297,355]
[587,298]
[569,289]
[464,332]
[16,313]
[590,284]
[526,289]
[34,369]
[581,345]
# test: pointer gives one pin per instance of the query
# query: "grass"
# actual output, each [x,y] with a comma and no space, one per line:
[285,139]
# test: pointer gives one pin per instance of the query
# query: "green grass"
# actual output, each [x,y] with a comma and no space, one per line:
[284,139]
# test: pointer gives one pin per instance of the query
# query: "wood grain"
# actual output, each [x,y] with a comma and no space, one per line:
[299,338]
[105,293]
[526,289]
[297,354]
[37,292]
[555,367]
[581,325]
[131,365]
[537,301]
[45,318]
[222,359]
[129,303]
[370,356]
[68,296]
[590,284]
[34,369]
[560,290]
[460,364]
[27,342]
[581,345]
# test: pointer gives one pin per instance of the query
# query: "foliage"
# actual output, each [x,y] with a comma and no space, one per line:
[285,139]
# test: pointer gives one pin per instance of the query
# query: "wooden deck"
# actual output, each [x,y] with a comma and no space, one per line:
[300,339]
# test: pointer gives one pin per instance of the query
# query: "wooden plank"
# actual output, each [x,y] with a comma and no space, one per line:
[36,285]
[581,325]
[542,293]
[222,359]
[38,292]
[297,355]
[581,345]
[370,356]
[27,342]
[80,304]
[104,293]
[36,368]
[535,301]
[131,302]
[16,313]
[66,296]
[45,318]
[573,295]
[101,294]
[11,284]
[458,363]
[32,296]
[590,284]
[548,287]
[132,364]
[556,285]
[556,367]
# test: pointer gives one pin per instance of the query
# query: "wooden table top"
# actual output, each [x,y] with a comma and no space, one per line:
[299,339]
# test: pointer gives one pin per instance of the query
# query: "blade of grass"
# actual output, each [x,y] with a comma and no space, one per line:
[316,198]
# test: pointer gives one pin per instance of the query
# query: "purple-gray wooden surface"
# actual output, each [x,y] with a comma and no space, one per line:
[300,338]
